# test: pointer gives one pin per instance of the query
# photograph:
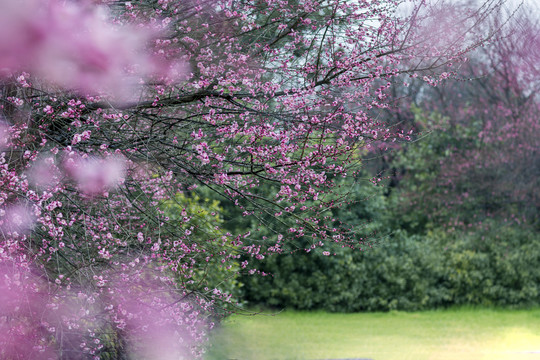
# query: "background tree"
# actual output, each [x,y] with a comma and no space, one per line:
[482,155]
[455,220]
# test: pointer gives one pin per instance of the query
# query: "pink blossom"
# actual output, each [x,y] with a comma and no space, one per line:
[160,324]
[75,46]
[95,176]
[21,310]
[16,218]
[4,135]
[44,173]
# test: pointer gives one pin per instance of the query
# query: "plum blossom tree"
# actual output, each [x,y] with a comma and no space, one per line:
[111,110]
[481,160]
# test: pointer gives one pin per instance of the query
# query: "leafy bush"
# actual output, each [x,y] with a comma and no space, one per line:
[408,272]
[205,221]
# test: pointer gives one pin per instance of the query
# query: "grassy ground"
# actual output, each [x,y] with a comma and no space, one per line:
[458,334]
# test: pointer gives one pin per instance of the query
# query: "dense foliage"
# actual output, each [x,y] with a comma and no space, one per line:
[429,247]
[457,220]
[409,272]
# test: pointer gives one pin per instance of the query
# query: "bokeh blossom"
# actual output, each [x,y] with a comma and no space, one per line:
[95,176]
[76,47]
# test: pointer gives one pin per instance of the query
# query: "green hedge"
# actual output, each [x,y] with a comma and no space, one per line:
[499,267]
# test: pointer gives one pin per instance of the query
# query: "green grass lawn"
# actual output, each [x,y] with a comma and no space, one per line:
[457,334]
